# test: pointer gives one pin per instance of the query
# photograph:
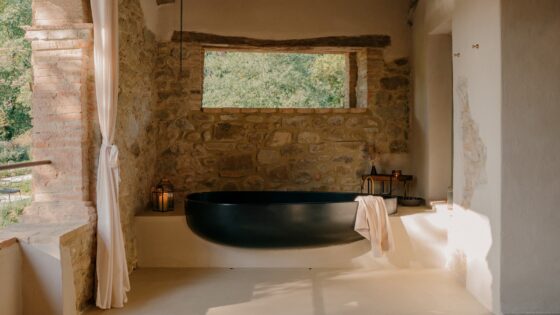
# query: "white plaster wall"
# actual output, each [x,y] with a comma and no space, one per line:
[68,290]
[42,285]
[167,241]
[431,127]
[477,219]
[10,280]
[440,115]
[286,19]
[531,157]
[419,110]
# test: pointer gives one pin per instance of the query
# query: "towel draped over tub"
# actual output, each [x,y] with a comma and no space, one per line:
[372,222]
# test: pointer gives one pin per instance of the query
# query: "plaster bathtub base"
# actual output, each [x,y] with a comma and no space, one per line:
[166,241]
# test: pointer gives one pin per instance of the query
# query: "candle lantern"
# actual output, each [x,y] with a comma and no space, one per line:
[162,196]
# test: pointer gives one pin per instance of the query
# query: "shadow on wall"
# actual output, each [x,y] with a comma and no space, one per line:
[424,243]
[418,152]
[470,241]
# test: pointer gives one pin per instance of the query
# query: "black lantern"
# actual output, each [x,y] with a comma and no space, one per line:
[162,196]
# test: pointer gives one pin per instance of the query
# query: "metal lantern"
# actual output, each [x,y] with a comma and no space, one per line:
[162,196]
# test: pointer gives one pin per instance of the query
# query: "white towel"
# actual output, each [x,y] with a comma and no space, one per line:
[372,222]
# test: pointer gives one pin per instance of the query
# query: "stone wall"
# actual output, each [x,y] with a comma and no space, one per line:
[271,149]
[80,244]
[135,135]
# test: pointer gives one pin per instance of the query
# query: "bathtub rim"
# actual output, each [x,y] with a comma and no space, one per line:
[271,203]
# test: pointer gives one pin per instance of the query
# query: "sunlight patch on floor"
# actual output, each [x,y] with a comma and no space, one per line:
[296,291]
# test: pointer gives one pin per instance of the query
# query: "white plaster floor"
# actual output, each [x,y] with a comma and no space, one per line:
[296,292]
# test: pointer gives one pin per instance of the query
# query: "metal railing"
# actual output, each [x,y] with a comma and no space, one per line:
[14,166]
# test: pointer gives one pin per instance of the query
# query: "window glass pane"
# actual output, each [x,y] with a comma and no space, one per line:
[273,80]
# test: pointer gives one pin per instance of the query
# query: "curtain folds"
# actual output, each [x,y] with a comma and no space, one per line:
[111,268]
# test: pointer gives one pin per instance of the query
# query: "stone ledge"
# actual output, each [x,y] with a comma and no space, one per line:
[83,31]
[59,26]
[40,233]
[232,110]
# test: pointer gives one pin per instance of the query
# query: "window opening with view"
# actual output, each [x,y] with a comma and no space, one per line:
[245,79]
[15,108]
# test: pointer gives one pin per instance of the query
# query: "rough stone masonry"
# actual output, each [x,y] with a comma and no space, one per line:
[275,149]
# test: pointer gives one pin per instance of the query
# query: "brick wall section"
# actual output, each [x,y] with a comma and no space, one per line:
[61,12]
[62,75]
[232,149]
[61,66]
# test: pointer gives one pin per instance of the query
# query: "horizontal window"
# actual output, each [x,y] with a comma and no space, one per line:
[249,79]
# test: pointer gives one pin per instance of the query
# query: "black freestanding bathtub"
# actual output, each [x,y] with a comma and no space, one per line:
[273,219]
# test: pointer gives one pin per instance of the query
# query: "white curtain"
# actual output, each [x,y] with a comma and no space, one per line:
[112,271]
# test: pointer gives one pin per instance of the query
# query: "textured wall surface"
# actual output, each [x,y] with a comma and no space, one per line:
[162,132]
[61,12]
[80,243]
[477,163]
[134,135]
[531,163]
[249,149]
[474,149]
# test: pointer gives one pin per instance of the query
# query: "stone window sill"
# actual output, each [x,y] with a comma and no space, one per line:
[54,233]
[231,110]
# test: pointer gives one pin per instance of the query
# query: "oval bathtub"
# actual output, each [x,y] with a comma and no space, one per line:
[273,219]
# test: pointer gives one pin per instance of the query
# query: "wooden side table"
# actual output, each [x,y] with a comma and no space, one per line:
[370,180]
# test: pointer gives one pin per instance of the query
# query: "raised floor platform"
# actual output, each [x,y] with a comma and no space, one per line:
[165,240]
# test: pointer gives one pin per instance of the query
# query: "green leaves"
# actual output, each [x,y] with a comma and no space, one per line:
[15,69]
[10,211]
[273,80]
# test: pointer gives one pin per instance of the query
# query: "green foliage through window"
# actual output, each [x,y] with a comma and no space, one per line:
[15,79]
[273,80]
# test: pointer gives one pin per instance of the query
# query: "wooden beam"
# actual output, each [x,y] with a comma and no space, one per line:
[160,2]
[363,41]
